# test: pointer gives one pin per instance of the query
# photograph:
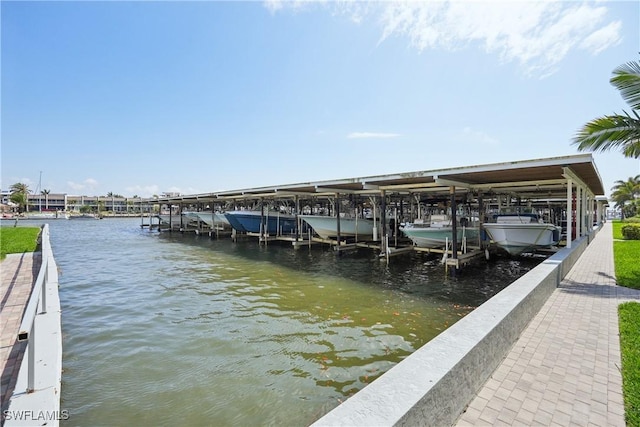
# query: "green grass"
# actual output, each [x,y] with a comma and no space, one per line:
[626,255]
[617,229]
[16,240]
[629,317]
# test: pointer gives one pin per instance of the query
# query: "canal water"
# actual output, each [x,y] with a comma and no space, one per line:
[173,329]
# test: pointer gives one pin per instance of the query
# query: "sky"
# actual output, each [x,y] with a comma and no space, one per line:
[141,98]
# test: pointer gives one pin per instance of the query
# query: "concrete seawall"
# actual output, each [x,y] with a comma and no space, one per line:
[434,384]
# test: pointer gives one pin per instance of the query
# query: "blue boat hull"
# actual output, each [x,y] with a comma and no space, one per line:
[249,222]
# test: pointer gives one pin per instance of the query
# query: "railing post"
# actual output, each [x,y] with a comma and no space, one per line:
[31,363]
[43,290]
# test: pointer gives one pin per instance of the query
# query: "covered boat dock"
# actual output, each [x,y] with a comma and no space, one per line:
[568,188]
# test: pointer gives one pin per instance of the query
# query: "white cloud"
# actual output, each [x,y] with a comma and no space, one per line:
[472,136]
[156,190]
[536,34]
[276,5]
[143,190]
[603,38]
[360,135]
[186,190]
[88,184]
[273,5]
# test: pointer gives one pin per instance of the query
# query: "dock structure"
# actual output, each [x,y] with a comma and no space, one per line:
[567,189]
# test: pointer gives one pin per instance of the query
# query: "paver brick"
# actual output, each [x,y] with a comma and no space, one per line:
[17,278]
[563,370]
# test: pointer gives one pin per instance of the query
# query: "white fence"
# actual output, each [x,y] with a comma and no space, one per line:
[36,397]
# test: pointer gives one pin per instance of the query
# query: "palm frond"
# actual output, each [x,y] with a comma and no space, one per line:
[626,78]
[605,133]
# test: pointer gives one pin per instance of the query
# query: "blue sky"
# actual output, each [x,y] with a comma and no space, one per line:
[140,98]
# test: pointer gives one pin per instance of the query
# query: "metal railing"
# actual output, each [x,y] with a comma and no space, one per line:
[37,304]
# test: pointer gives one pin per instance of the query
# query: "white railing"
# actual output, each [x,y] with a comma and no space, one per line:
[37,305]
[37,389]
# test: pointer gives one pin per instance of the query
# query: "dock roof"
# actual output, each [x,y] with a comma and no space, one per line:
[537,178]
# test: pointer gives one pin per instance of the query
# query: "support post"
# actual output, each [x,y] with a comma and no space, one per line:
[481,218]
[454,225]
[375,222]
[578,211]
[262,228]
[569,214]
[297,200]
[383,219]
[337,209]
[395,225]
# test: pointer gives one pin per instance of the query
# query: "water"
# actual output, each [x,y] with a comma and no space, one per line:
[171,329]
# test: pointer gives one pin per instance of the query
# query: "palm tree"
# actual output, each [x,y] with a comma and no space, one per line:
[618,130]
[20,195]
[626,195]
[46,193]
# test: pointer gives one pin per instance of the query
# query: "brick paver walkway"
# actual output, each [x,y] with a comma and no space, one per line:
[565,367]
[18,272]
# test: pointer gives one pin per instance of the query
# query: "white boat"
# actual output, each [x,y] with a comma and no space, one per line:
[175,220]
[436,233]
[46,215]
[518,233]
[84,216]
[211,219]
[327,228]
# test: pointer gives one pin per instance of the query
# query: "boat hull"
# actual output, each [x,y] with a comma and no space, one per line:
[217,219]
[519,238]
[327,228]
[46,215]
[250,221]
[435,237]
[84,216]
[176,220]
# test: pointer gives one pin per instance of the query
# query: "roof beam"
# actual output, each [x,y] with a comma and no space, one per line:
[321,189]
[451,183]
[412,186]
[370,186]
[519,183]
[568,173]
[295,193]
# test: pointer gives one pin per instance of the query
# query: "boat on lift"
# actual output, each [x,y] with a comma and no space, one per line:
[212,219]
[251,221]
[327,226]
[176,220]
[436,232]
[522,232]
